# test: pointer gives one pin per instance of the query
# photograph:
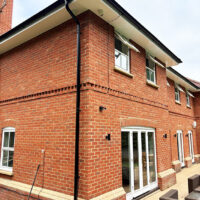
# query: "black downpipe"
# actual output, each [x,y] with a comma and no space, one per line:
[76,172]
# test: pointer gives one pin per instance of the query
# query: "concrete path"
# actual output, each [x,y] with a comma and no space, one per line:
[181,183]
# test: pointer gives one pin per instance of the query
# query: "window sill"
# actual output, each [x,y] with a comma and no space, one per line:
[178,102]
[8,173]
[152,84]
[189,107]
[117,69]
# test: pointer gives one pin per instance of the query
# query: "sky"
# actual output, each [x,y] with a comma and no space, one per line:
[176,23]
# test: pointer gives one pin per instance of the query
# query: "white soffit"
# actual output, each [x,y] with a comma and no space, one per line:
[46,23]
[108,14]
[179,81]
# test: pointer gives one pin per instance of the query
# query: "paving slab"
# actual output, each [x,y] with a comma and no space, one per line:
[181,183]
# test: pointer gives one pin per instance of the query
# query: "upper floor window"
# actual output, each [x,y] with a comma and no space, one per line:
[188,95]
[177,95]
[188,99]
[7,148]
[121,55]
[178,89]
[150,70]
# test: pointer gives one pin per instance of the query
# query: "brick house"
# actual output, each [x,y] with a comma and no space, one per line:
[139,118]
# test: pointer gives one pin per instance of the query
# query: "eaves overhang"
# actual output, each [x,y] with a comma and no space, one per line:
[111,12]
[181,80]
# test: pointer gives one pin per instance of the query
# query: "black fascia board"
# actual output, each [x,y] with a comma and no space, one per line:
[45,12]
[182,77]
[141,28]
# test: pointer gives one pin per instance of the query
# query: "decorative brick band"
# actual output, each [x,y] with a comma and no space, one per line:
[111,195]
[85,86]
[49,194]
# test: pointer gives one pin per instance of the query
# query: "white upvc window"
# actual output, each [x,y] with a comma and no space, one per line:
[7,148]
[150,69]
[177,94]
[122,56]
[188,99]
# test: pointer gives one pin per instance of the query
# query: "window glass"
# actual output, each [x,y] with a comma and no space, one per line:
[125,162]
[177,94]
[121,55]
[12,138]
[150,70]
[7,150]
[188,99]
[6,138]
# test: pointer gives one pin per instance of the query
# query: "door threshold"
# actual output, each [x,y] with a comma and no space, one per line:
[146,194]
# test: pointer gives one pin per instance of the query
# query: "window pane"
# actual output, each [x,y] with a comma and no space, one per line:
[147,62]
[144,158]
[118,45]
[124,62]
[152,170]
[6,138]
[5,158]
[136,160]
[148,74]
[10,161]
[152,77]
[125,162]
[12,139]
[151,65]
[125,49]
[117,58]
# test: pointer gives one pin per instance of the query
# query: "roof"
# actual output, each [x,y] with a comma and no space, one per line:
[194,82]
[182,80]
[130,18]
[42,22]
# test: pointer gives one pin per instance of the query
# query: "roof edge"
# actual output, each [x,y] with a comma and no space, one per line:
[138,25]
[41,14]
[182,77]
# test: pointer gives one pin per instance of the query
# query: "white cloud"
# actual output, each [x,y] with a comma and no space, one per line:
[24,9]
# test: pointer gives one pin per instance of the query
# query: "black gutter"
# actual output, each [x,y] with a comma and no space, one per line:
[182,77]
[76,170]
[113,4]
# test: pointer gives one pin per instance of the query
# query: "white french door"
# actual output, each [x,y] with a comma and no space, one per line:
[180,147]
[191,147]
[139,170]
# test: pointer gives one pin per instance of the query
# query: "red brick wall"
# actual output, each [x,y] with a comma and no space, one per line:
[38,99]
[197,114]
[181,118]
[6,17]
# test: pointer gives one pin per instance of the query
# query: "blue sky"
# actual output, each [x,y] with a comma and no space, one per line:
[176,23]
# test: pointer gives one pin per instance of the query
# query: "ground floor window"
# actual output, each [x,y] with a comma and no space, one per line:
[139,173]
[7,148]
[191,147]
[180,147]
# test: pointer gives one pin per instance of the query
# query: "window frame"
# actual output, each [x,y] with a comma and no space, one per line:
[127,57]
[188,100]
[152,71]
[7,129]
[177,93]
